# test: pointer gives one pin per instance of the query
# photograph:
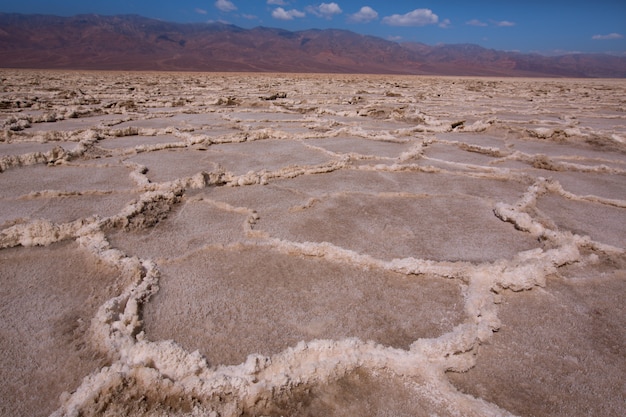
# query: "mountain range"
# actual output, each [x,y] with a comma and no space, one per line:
[130,42]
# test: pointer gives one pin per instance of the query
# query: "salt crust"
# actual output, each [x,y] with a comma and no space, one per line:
[143,371]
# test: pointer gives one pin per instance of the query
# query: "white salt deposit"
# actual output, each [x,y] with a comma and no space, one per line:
[258,244]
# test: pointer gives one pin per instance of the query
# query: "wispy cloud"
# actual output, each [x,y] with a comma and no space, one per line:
[200,11]
[476,22]
[325,10]
[499,23]
[282,14]
[366,14]
[503,23]
[225,5]
[607,37]
[418,17]
[445,23]
[277,2]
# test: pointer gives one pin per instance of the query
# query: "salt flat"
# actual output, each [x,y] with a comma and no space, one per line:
[196,244]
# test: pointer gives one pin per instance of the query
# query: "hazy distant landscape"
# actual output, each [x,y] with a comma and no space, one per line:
[212,244]
[129,42]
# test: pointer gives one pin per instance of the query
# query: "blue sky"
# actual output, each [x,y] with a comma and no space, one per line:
[547,26]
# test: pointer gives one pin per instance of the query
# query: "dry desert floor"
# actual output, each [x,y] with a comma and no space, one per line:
[197,244]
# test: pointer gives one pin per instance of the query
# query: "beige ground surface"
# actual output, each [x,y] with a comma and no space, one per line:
[306,245]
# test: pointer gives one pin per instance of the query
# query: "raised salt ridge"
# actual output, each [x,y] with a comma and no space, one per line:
[257,244]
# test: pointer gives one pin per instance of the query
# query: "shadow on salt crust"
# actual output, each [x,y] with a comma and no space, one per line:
[193,224]
[232,303]
[563,149]
[48,298]
[360,393]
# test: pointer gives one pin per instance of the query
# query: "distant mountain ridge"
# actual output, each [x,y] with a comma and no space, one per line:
[130,42]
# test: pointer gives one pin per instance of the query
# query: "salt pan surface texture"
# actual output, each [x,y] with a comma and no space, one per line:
[258,244]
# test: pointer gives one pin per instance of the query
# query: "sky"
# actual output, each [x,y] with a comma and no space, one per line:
[549,27]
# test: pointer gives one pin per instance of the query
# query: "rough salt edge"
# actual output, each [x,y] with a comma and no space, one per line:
[254,383]
[255,380]
[113,255]
[118,326]
[121,317]
[291,367]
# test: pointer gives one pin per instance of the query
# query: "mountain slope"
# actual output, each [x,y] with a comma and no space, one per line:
[137,43]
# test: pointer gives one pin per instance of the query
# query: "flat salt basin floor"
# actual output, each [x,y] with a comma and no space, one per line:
[171,164]
[388,215]
[269,154]
[37,178]
[26,147]
[240,158]
[79,123]
[194,223]
[184,121]
[402,183]
[560,351]
[601,184]
[66,208]
[579,149]
[134,141]
[454,228]
[229,303]
[452,154]
[602,223]
[478,139]
[361,146]
[49,296]
[235,266]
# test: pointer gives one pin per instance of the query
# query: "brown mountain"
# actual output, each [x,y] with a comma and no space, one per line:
[137,43]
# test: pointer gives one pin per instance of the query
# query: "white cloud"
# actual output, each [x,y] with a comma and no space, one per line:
[503,23]
[366,14]
[225,5]
[282,14]
[249,16]
[325,10]
[418,17]
[445,23]
[475,22]
[200,11]
[607,37]
[277,2]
